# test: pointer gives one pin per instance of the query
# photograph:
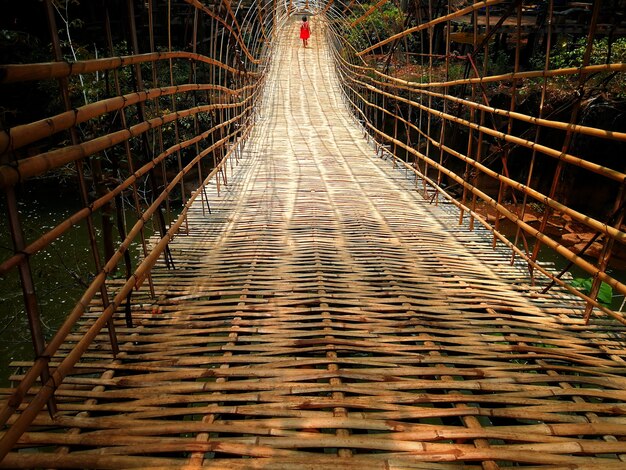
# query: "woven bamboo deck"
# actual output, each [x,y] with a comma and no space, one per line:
[324,315]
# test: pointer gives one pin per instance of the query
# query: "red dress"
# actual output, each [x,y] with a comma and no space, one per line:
[305,32]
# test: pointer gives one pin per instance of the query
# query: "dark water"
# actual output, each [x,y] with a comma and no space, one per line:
[61,272]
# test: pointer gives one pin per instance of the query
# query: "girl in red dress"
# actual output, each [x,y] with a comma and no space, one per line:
[305,31]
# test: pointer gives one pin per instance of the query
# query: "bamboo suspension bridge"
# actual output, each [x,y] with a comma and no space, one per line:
[337,290]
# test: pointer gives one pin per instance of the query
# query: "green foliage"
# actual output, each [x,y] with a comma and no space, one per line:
[605,294]
[381,24]
[568,53]
[500,63]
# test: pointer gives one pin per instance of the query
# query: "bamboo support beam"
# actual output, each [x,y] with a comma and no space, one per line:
[44,71]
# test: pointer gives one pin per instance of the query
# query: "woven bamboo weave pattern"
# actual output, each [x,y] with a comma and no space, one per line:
[325,315]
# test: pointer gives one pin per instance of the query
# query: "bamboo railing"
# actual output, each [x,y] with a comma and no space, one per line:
[132,143]
[377,94]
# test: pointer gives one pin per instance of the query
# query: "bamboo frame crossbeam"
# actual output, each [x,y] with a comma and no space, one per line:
[25,134]
[442,19]
[25,72]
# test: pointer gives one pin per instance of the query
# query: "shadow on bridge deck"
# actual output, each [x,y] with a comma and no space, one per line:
[324,315]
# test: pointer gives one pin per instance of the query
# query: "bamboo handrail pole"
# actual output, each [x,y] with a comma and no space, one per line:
[539,121]
[38,164]
[560,249]
[61,228]
[25,134]
[596,225]
[566,253]
[13,73]
[588,69]
[576,161]
[83,303]
[200,6]
[365,15]
[464,11]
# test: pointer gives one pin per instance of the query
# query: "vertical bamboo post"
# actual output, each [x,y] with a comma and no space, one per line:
[196,126]
[574,117]
[544,87]
[174,108]
[509,128]
[223,57]
[470,133]
[169,262]
[431,34]
[481,121]
[129,157]
[157,110]
[28,291]
[56,47]
[607,248]
[395,132]
[442,130]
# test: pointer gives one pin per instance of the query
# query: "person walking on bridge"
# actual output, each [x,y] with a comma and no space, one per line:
[305,31]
